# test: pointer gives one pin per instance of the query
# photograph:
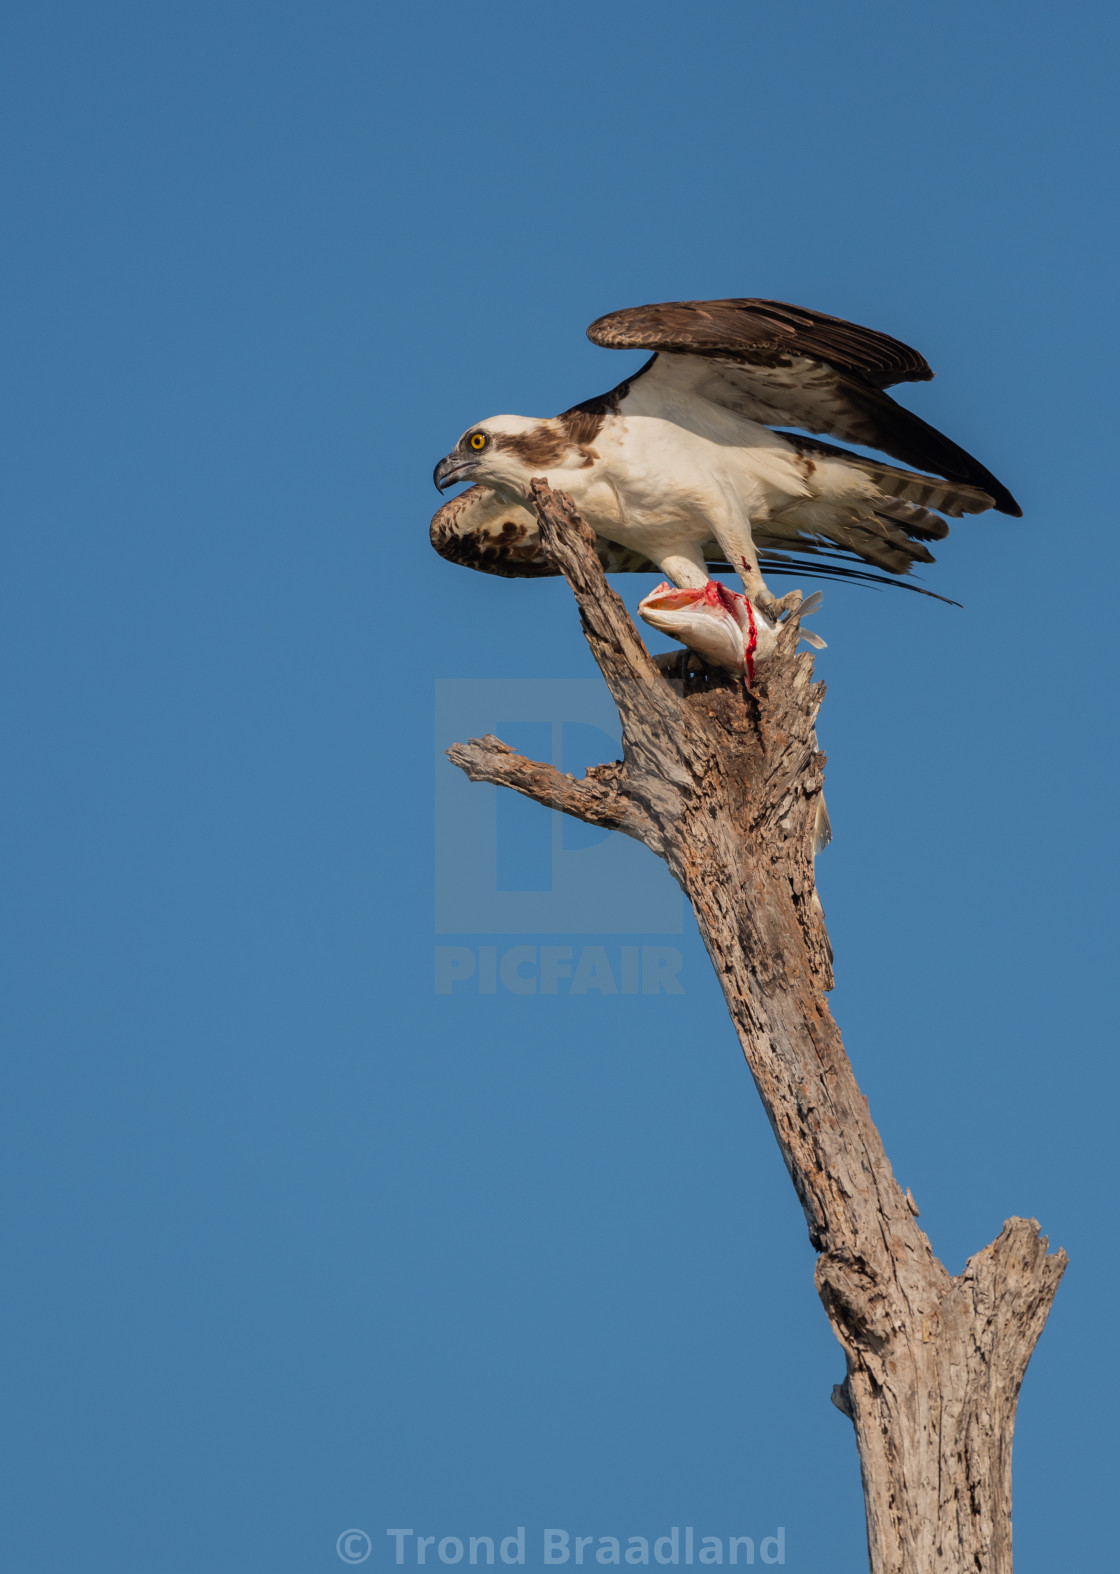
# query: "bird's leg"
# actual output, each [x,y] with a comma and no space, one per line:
[687,569]
[754,586]
[737,544]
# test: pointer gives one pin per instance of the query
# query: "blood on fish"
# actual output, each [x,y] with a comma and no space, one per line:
[752,643]
[717,594]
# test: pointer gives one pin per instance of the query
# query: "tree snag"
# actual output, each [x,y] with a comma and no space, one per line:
[725,787]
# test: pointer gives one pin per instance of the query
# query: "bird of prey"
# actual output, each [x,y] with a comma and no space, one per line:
[690,466]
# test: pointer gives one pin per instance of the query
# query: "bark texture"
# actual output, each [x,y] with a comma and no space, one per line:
[725,787]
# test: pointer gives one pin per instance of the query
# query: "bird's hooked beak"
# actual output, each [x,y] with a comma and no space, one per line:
[456,467]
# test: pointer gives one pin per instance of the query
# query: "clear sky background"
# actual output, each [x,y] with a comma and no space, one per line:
[294,1243]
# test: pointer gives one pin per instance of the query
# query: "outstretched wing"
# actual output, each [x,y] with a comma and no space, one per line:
[479,531]
[756,330]
[783,365]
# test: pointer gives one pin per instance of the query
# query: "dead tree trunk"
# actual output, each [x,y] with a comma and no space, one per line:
[725,788]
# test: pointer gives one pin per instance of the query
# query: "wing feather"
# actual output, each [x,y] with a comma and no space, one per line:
[477,530]
[758,330]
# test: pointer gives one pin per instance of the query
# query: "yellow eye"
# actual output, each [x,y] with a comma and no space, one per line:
[478,442]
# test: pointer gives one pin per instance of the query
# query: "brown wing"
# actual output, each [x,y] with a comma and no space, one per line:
[762,332]
[479,531]
[785,366]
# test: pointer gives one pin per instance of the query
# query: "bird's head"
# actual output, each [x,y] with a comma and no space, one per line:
[506,452]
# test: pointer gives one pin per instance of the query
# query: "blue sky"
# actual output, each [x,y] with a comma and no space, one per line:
[295,1243]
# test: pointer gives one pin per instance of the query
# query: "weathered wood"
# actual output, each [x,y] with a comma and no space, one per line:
[725,787]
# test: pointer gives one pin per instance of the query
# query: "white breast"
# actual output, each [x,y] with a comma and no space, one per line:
[696,461]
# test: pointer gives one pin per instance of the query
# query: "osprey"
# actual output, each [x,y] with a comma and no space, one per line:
[689,467]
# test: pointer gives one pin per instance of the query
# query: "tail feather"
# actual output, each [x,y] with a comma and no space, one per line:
[918,522]
[825,564]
